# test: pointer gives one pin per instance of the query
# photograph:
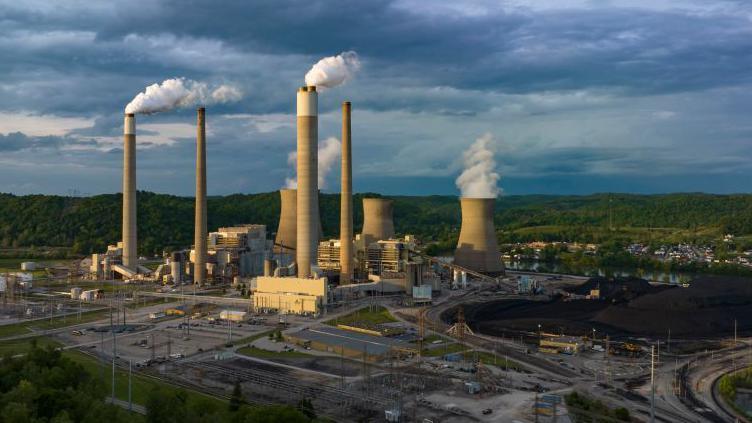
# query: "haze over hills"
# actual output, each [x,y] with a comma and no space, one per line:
[88,224]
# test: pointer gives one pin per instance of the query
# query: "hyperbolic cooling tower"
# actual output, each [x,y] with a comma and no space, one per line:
[308,216]
[286,231]
[346,213]
[130,256]
[477,248]
[377,220]
[199,263]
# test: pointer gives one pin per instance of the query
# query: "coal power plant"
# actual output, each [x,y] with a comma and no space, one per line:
[367,320]
[477,248]
[351,302]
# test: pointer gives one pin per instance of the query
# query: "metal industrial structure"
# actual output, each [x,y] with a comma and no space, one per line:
[477,248]
[200,232]
[130,255]
[307,198]
[377,220]
[346,212]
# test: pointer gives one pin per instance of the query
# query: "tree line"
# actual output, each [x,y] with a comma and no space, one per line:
[165,222]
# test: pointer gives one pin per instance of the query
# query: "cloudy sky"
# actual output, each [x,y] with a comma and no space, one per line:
[581,96]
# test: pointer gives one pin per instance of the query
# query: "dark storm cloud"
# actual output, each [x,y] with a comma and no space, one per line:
[582,91]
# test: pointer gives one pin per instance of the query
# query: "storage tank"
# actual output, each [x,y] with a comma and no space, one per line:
[75,293]
[477,248]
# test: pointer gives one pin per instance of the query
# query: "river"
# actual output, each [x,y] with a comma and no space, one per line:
[650,275]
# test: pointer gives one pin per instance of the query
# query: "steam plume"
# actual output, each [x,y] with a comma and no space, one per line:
[329,152]
[334,70]
[479,178]
[180,92]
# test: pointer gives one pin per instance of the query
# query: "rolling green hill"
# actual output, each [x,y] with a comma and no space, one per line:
[86,224]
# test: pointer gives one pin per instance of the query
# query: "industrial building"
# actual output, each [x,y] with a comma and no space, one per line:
[109,265]
[386,256]
[329,255]
[351,344]
[291,295]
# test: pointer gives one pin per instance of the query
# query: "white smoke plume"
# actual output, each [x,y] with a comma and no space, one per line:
[332,71]
[180,92]
[329,152]
[479,179]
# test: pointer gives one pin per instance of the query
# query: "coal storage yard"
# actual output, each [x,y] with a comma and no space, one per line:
[626,308]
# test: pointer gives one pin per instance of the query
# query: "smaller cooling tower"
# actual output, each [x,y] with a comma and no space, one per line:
[377,220]
[477,248]
[287,230]
[286,239]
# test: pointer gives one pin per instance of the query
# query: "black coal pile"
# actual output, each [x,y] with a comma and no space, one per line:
[707,308]
[616,290]
[632,307]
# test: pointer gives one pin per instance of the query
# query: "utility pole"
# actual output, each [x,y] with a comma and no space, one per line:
[130,375]
[652,384]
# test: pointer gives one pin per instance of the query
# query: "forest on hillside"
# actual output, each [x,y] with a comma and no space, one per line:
[87,224]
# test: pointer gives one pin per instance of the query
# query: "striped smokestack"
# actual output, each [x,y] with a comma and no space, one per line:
[346,214]
[199,241]
[130,255]
[307,202]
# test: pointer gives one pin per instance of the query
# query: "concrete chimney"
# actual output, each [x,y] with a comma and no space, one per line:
[307,199]
[199,238]
[287,229]
[377,220]
[477,248]
[130,255]
[346,213]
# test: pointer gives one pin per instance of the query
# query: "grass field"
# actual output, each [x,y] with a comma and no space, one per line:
[22,346]
[24,328]
[369,315]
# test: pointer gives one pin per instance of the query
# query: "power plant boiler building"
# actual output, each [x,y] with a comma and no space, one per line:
[477,248]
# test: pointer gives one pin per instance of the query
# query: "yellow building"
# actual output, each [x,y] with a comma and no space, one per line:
[290,295]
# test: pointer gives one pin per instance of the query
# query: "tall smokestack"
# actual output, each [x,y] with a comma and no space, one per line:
[377,220]
[287,229]
[199,241]
[130,255]
[307,202]
[477,248]
[346,214]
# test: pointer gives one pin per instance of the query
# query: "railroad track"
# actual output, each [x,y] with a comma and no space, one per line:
[297,389]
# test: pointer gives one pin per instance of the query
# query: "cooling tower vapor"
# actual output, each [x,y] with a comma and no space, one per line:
[479,178]
[180,92]
[332,71]
[329,152]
